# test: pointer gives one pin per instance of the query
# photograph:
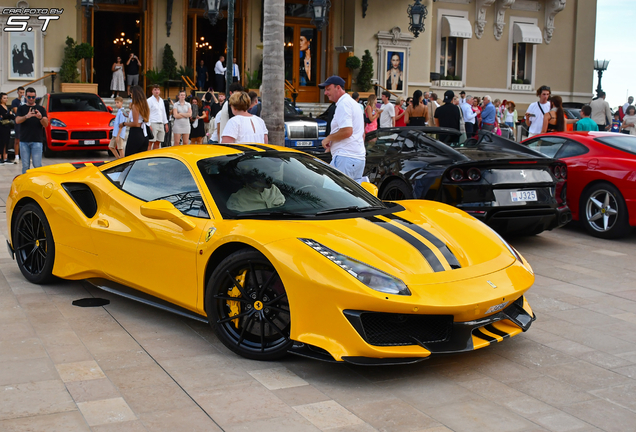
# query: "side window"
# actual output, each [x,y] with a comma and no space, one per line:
[165,179]
[549,146]
[118,174]
[572,149]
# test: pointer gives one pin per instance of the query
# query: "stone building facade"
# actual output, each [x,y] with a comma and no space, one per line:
[505,48]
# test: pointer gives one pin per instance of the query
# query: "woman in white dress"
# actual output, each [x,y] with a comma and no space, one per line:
[243,127]
[629,121]
[117,84]
[181,112]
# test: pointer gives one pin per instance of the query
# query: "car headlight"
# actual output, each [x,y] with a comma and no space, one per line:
[373,278]
[57,123]
[112,123]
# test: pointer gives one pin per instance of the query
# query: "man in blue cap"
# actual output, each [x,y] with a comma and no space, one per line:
[346,140]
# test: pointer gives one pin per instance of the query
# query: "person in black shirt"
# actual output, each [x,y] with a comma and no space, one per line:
[448,116]
[132,71]
[33,120]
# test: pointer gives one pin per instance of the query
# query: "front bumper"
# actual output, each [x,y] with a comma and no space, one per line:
[64,139]
[457,336]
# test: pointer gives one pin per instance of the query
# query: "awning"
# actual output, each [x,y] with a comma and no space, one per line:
[527,33]
[456,27]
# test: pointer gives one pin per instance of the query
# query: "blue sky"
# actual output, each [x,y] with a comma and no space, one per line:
[614,25]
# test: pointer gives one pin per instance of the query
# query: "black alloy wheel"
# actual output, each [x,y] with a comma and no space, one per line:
[247,306]
[33,244]
[603,212]
[396,190]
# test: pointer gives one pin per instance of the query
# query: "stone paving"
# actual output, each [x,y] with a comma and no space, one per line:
[129,367]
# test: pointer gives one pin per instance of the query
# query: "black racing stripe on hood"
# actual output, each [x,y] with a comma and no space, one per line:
[494,330]
[481,335]
[259,147]
[244,149]
[426,252]
[450,257]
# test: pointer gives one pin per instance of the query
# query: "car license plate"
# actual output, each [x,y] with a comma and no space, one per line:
[304,143]
[520,196]
[90,142]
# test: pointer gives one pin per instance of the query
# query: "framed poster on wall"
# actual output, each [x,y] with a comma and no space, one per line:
[22,55]
[394,65]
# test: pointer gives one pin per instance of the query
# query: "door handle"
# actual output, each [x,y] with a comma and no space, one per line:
[103,223]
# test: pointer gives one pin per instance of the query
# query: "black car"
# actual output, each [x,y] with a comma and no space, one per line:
[508,186]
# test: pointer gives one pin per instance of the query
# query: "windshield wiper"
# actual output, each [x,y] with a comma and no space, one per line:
[350,209]
[247,215]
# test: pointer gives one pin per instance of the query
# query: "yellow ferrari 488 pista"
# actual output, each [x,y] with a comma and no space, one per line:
[278,251]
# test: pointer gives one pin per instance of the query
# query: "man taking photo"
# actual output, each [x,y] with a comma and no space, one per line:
[32,120]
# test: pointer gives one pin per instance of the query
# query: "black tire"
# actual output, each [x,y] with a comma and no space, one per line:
[34,244]
[396,190]
[254,322]
[603,212]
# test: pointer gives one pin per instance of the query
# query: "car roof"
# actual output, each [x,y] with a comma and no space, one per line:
[195,152]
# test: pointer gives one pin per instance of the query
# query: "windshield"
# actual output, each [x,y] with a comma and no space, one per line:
[66,102]
[281,185]
[626,143]
[290,110]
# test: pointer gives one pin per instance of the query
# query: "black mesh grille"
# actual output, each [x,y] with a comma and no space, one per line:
[385,329]
[59,135]
[89,135]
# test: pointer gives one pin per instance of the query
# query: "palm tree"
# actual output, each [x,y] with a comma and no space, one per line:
[274,70]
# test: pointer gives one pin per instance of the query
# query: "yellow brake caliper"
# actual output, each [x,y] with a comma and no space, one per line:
[235,306]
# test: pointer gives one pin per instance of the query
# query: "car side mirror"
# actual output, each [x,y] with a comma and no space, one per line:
[110,109]
[164,210]
[371,188]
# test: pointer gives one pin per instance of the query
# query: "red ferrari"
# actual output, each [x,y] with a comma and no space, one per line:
[77,121]
[601,189]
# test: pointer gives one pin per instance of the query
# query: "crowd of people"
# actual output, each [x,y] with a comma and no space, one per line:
[206,120]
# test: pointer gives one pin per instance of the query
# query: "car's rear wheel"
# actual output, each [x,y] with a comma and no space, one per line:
[33,244]
[604,213]
[396,190]
[247,306]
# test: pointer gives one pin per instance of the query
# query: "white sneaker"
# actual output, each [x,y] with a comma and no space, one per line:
[7,162]
[17,159]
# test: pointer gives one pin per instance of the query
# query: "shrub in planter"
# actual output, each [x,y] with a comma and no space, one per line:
[68,70]
[366,72]
[169,64]
[85,51]
[526,81]
[457,78]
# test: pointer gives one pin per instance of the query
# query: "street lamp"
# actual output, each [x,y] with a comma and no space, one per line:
[88,4]
[214,7]
[321,12]
[417,14]
[600,66]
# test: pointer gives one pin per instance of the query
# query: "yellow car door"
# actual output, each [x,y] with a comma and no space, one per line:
[148,230]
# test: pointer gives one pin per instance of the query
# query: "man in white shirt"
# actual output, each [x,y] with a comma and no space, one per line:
[346,140]
[601,112]
[432,106]
[158,119]
[462,97]
[219,75]
[387,118]
[630,101]
[536,111]
[236,75]
[469,115]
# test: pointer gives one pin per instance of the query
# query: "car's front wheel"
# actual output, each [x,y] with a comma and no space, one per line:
[247,306]
[396,190]
[33,244]
[604,213]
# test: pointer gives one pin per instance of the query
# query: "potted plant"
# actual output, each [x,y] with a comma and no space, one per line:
[68,71]
[169,68]
[365,75]
[253,83]
[353,63]
[154,76]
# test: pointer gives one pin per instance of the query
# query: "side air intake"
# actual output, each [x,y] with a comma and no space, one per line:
[83,197]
